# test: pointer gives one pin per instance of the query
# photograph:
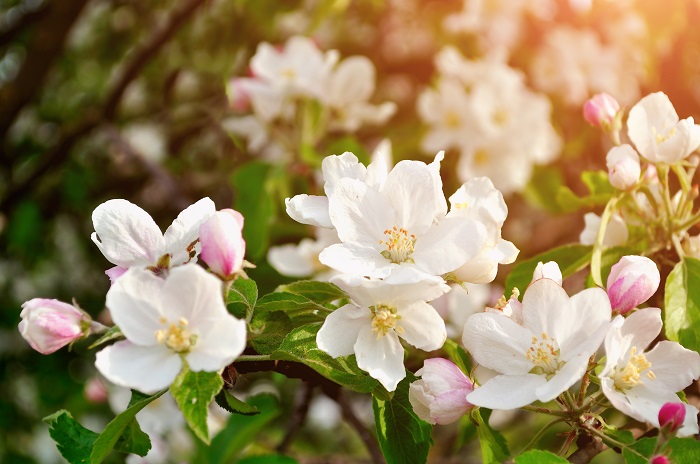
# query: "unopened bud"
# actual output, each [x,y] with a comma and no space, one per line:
[600,110]
[238,94]
[440,396]
[49,325]
[659,459]
[672,416]
[632,281]
[623,167]
[222,243]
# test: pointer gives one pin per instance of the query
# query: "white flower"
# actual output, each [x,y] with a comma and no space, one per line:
[479,200]
[654,127]
[616,233]
[639,382]
[402,223]
[623,167]
[301,260]
[167,322]
[350,86]
[382,312]
[128,237]
[544,356]
[461,302]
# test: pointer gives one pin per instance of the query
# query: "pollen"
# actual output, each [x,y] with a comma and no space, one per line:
[452,120]
[399,245]
[544,354]
[384,319]
[631,375]
[176,336]
[481,157]
[663,136]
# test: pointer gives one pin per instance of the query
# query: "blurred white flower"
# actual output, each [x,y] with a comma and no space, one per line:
[301,260]
[616,233]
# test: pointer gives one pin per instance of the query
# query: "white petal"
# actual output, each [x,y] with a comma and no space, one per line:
[447,245]
[126,234]
[352,81]
[288,260]
[423,327]
[309,209]
[565,377]
[498,342]
[507,392]
[357,259]
[360,213]
[218,346]
[340,330]
[146,369]
[134,301]
[583,323]
[381,357]
[415,195]
[192,293]
[543,304]
[420,401]
[185,230]
[336,167]
[675,367]
[441,376]
[643,326]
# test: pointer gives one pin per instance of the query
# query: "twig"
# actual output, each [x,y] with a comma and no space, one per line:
[364,433]
[301,409]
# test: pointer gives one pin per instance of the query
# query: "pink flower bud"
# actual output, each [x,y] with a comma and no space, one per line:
[600,110]
[239,94]
[623,167]
[49,325]
[672,416]
[222,242]
[632,281]
[659,459]
[95,390]
[440,396]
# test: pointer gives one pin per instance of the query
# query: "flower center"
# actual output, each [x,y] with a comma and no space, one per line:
[664,135]
[384,319]
[176,336]
[500,117]
[481,157]
[399,245]
[544,354]
[631,374]
[289,73]
[452,120]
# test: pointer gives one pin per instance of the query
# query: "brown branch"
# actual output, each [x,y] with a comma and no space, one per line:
[106,112]
[28,16]
[301,409]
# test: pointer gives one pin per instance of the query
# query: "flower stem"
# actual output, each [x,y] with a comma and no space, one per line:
[562,414]
[599,238]
[540,433]
[253,358]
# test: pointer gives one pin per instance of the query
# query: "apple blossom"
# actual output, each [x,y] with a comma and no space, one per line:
[401,223]
[222,243]
[302,260]
[632,281]
[544,356]
[616,233]
[638,382]
[600,110]
[128,237]
[440,395]
[382,312]
[549,270]
[655,129]
[168,322]
[623,167]
[49,325]
[672,416]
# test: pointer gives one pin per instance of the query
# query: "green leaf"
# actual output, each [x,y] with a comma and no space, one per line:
[543,187]
[571,259]
[682,451]
[599,192]
[300,346]
[240,430]
[682,304]
[403,436]
[123,432]
[458,355]
[193,392]
[539,457]
[319,292]
[73,441]
[644,446]
[233,405]
[112,334]
[268,329]
[254,202]
[298,308]
[494,449]
[243,291]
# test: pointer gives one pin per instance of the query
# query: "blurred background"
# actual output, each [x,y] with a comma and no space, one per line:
[148,101]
